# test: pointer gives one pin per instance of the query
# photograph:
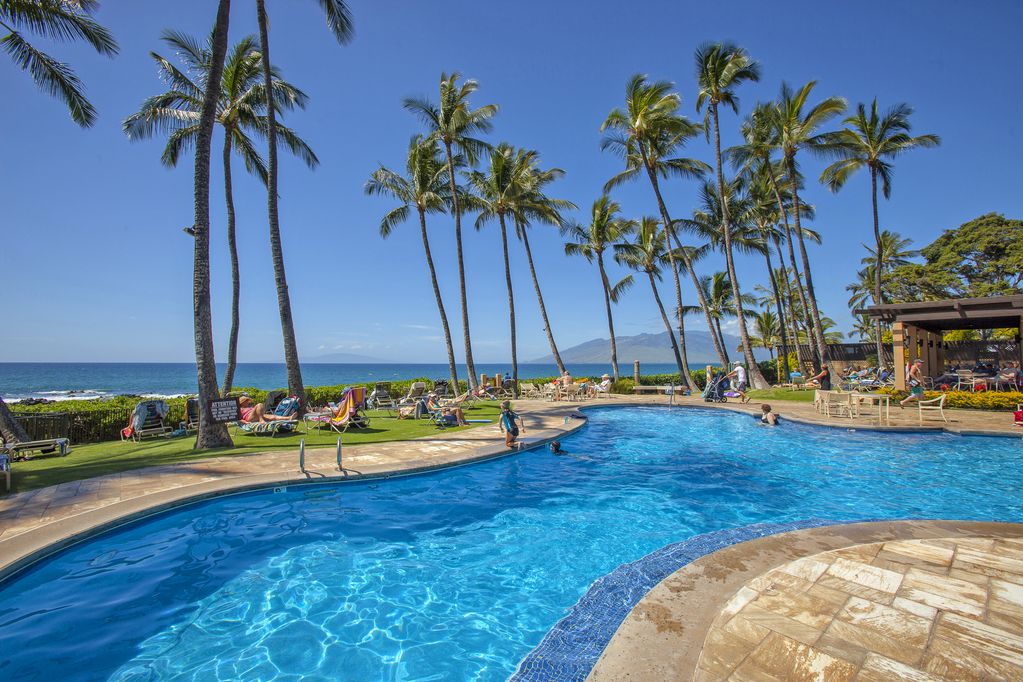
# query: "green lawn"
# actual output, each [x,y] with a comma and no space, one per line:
[781,394]
[98,459]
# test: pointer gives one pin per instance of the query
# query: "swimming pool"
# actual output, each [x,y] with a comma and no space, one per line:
[458,574]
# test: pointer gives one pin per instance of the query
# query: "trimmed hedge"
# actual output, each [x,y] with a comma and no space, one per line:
[968,400]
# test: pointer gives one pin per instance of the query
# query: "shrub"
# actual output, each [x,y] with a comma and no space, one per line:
[968,400]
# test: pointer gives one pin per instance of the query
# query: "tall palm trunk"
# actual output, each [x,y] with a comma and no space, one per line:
[209,434]
[877,266]
[781,314]
[470,366]
[790,302]
[811,298]
[511,306]
[687,377]
[667,322]
[756,377]
[232,247]
[10,429]
[291,362]
[539,299]
[606,286]
[686,260]
[717,326]
[792,255]
[440,304]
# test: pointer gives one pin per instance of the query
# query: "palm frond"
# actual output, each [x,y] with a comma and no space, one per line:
[53,77]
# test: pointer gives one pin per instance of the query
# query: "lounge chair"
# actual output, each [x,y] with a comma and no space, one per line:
[347,415]
[531,391]
[381,399]
[147,420]
[45,446]
[415,392]
[287,408]
[191,414]
[933,405]
[465,400]
[440,388]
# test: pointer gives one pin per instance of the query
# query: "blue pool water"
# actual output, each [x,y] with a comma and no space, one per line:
[457,574]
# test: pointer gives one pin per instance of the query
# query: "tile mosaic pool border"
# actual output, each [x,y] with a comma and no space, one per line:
[572,647]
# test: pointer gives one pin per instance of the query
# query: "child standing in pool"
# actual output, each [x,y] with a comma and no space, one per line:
[510,424]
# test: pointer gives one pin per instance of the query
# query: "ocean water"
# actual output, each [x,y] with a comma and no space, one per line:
[458,574]
[75,380]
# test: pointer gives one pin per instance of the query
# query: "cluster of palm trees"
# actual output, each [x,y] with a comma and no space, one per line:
[752,207]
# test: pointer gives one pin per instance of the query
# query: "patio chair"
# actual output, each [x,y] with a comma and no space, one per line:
[147,420]
[287,408]
[933,405]
[839,403]
[191,414]
[531,391]
[571,392]
[969,380]
[380,397]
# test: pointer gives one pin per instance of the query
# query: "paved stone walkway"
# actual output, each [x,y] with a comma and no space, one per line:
[948,608]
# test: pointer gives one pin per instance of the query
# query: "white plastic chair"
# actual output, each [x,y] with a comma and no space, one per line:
[933,405]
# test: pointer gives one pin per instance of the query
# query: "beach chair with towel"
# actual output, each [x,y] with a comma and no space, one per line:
[347,415]
[147,420]
[286,408]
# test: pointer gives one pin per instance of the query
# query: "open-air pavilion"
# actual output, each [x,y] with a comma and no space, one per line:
[917,328]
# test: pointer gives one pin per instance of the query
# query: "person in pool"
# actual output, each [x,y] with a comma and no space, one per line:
[511,425]
[768,417]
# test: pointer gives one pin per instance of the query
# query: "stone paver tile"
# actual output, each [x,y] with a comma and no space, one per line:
[979,544]
[830,582]
[800,632]
[800,607]
[841,648]
[829,594]
[1006,597]
[968,576]
[989,564]
[746,630]
[914,551]
[722,652]
[953,661]
[809,568]
[911,630]
[877,668]
[744,596]
[783,658]
[915,607]
[942,592]
[997,642]
[864,574]
[861,553]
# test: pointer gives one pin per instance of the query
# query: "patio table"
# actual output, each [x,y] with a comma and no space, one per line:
[880,399]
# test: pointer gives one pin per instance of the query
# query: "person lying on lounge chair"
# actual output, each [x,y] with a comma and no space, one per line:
[455,413]
[252,412]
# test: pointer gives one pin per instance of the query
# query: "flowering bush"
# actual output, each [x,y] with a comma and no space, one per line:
[969,400]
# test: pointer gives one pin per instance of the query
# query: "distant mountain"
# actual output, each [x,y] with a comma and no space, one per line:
[345,357]
[654,348]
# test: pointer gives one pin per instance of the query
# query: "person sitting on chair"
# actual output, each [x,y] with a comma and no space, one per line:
[449,413]
[252,412]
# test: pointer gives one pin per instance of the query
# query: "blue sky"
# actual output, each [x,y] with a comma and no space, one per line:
[96,266]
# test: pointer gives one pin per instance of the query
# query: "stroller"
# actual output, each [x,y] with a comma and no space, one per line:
[715,391]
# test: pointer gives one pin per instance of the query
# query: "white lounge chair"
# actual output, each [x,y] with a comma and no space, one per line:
[933,405]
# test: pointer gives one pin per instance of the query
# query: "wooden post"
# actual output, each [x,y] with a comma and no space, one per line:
[635,372]
[899,352]
[939,363]
[931,368]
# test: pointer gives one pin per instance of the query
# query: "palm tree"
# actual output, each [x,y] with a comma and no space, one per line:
[533,205]
[649,253]
[872,141]
[720,69]
[767,331]
[864,328]
[425,188]
[240,111]
[209,434]
[606,229]
[721,297]
[63,20]
[797,128]
[496,192]
[339,21]
[454,123]
[647,133]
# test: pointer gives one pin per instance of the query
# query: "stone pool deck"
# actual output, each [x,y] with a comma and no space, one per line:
[916,600]
[40,521]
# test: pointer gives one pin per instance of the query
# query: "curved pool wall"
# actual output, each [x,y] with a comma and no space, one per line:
[459,573]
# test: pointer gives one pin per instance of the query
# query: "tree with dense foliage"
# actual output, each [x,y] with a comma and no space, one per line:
[533,205]
[647,134]
[241,111]
[648,253]
[894,253]
[339,21]
[62,20]
[209,434]
[872,140]
[720,69]
[455,124]
[797,128]
[983,257]
[425,188]
[606,229]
